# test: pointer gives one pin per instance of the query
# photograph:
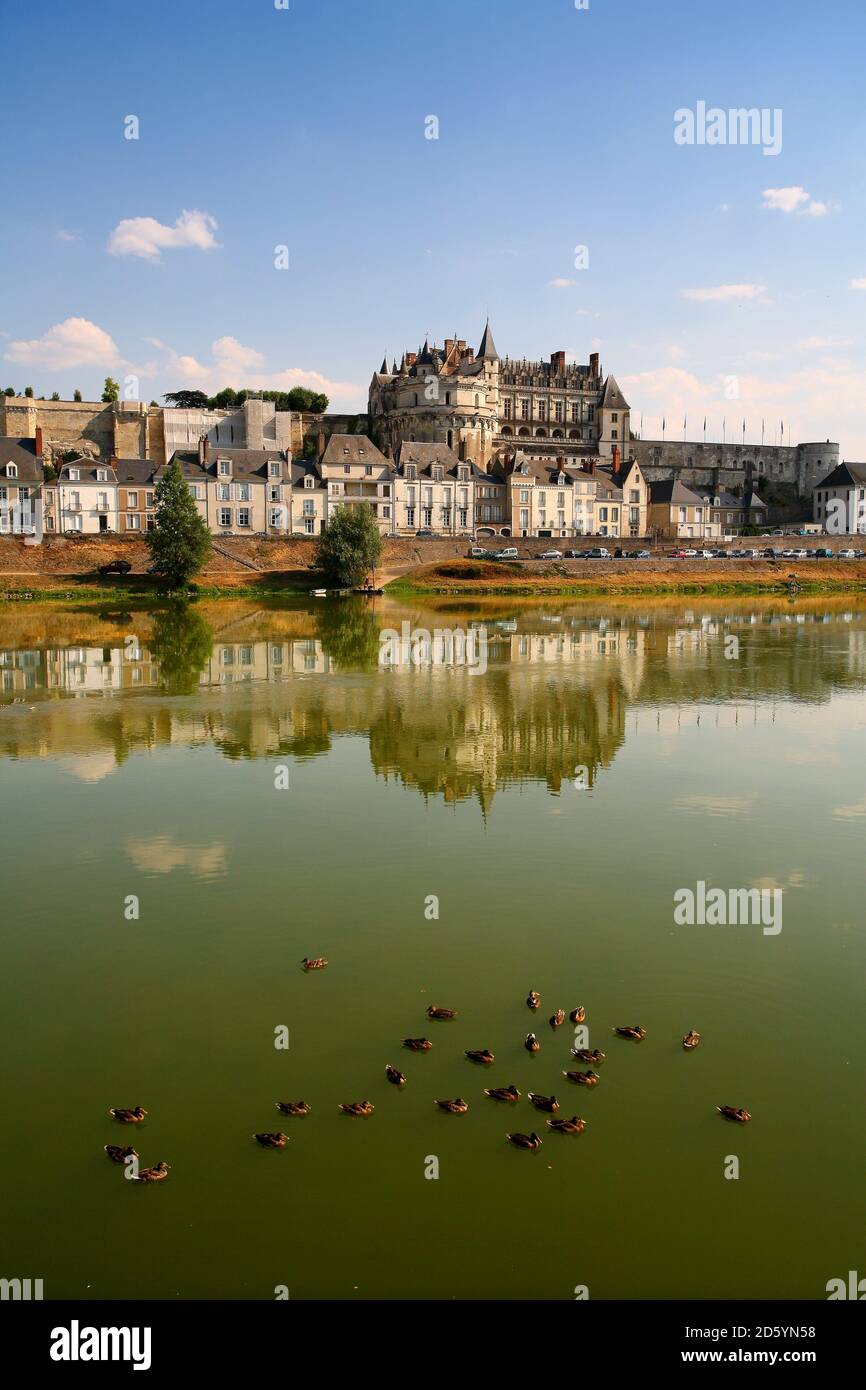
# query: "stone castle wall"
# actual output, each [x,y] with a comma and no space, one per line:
[716,466]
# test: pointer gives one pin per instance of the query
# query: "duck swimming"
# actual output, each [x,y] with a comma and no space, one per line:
[635,1032]
[578,1015]
[276,1140]
[524,1141]
[293,1107]
[154,1174]
[434,1011]
[587,1054]
[533,1000]
[573,1126]
[506,1093]
[357,1107]
[484,1056]
[119,1155]
[731,1112]
[394,1076]
[582,1078]
[531,1043]
[128,1117]
[314,962]
[542,1102]
[417,1044]
[556,1020]
[453,1107]
[691,1040]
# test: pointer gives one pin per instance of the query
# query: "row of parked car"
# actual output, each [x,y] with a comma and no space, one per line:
[478,552]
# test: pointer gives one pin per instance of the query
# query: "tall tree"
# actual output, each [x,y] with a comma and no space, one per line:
[111,390]
[180,542]
[187,400]
[349,546]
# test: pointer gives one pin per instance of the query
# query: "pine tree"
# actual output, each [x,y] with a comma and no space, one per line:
[180,542]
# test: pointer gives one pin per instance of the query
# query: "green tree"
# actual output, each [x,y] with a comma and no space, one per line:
[181,644]
[180,542]
[10,391]
[76,394]
[186,400]
[55,395]
[28,391]
[349,546]
[111,390]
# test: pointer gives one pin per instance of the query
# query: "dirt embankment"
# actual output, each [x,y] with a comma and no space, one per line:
[632,576]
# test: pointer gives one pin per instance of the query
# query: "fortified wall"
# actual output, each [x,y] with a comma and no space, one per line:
[129,429]
[714,467]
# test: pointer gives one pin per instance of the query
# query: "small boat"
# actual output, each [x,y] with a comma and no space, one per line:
[319,593]
[368,592]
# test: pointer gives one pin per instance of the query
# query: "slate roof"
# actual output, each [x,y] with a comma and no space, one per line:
[248,465]
[353,448]
[845,475]
[672,492]
[613,399]
[21,452]
[487,347]
[87,469]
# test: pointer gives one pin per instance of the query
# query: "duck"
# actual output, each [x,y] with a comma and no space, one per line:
[531,1043]
[417,1044]
[587,1054]
[573,1126]
[582,1078]
[484,1056]
[543,1102]
[533,1000]
[293,1107]
[434,1011]
[556,1020]
[506,1093]
[524,1141]
[394,1076]
[578,1015]
[154,1174]
[732,1112]
[691,1040]
[128,1117]
[271,1140]
[314,962]
[453,1107]
[635,1032]
[119,1155]
[357,1107]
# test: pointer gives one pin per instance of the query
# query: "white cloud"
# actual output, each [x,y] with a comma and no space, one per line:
[810,344]
[145,237]
[724,294]
[859,284]
[237,365]
[75,342]
[63,235]
[560,283]
[795,199]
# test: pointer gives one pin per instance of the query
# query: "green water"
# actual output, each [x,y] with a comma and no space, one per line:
[138,756]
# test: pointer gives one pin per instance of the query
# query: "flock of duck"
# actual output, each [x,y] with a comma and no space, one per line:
[506,1095]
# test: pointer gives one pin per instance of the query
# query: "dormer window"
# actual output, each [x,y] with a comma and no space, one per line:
[101,475]
[12,470]
[309,482]
[345,449]
[437,474]
[275,470]
[464,475]
[74,475]
[225,468]
[410,472]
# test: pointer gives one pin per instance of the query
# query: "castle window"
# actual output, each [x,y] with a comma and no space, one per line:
[506,409]
[613,415]
[477,402]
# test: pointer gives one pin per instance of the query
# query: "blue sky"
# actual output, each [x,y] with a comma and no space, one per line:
[305,127]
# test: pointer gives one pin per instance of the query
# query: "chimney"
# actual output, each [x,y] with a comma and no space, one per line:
[616,462]
[39,441]
[320,443]
[557,363]
[202,448]
[593,364]
[449,343]
[386,450]
[469,355]
[411,359]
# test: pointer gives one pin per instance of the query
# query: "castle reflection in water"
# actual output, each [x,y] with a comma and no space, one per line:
[92,690]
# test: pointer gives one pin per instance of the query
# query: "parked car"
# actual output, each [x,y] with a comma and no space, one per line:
[425,534]
[643,555]
[509,553]
[116,567]
[846,555]
[824,554]
[551,555]
[706,555]
[597,553]
[477,552]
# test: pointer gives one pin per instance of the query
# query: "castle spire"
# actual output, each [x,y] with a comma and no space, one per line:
[384,367]
[487,348]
